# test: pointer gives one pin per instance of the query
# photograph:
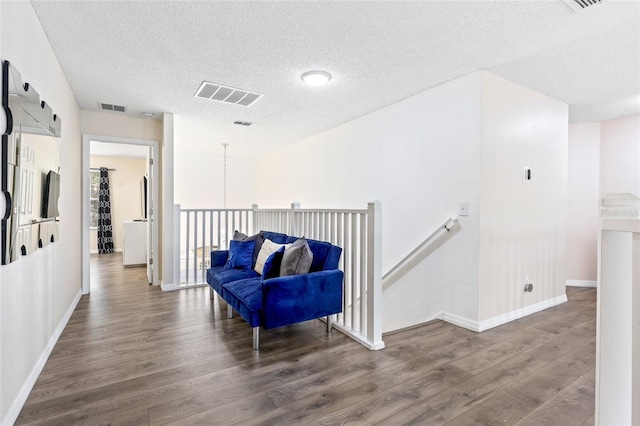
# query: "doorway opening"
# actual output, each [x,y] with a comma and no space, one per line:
[132,172]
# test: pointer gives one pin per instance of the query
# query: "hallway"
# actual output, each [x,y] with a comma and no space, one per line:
[132,354]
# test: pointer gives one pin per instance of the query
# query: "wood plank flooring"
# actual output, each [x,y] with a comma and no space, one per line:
[132,355]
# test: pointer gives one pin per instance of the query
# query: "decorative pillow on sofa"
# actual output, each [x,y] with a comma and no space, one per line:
[272,265]
[297,258]
[258,238]
[267,248]
[240,253]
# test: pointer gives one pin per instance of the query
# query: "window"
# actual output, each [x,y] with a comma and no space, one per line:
[94,194]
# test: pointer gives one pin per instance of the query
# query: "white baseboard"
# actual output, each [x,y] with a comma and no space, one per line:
[480,326]
[169,287]
[522,312]
[435,317]
[173,287]
[374,346]
[581,283]
[461,321]
[14,411]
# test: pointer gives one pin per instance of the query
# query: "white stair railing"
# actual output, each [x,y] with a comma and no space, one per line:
[203,230]
[425,248]
[358,232]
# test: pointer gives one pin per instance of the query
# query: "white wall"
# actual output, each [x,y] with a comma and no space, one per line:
[583,197]
[125,192]
[420,157]
[620,156]
[39,291]
[120,126]
[522,224]
[466,140]
[603,158]
[199,179]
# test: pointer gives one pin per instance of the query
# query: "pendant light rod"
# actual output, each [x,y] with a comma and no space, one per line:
[225,145]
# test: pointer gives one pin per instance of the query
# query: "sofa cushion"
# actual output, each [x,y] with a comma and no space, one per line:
[272,265]
[219,257]
[219,276]
[268,247]
[258,238]
[320,250]
[333,259]
[240,254]
[276,237]
[297,258]
[245,296]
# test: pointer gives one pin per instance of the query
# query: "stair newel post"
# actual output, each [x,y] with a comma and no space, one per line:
[374,274]
[177,217]
[293,222]
[255,224]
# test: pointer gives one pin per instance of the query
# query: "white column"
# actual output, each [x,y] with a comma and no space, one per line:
[167,214]
[374,275]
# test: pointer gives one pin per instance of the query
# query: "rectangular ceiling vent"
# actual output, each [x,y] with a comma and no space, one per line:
[230,95]
[111,107]
[243,123]
[579,5]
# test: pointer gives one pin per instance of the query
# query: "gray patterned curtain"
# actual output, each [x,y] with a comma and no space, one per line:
[105,231]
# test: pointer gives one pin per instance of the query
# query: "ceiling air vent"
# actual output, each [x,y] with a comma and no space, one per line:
[579,5]
[230,95]
[111,107]
[243,123]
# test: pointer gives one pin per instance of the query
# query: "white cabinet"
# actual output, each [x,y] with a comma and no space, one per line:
[618,323]
[134,248]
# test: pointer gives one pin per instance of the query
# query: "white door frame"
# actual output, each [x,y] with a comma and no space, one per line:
[155,146]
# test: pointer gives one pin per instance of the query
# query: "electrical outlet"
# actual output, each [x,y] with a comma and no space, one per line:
[528,285]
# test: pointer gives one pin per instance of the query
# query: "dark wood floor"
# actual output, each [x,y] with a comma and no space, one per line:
[132,355]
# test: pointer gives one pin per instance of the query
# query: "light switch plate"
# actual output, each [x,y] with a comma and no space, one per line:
[463,209]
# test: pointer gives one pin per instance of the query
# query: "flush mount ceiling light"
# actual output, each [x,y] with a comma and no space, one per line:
[148,114]
[316,78]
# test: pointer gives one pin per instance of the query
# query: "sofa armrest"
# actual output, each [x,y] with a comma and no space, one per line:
[297,298]
[219,257]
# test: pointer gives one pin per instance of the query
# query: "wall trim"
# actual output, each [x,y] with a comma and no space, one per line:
[174,287]
[373,346]
[169,287]
[15,408]
[581,283]
[480,326]
[436,317]
[155,178]
[460,321]
[522,312]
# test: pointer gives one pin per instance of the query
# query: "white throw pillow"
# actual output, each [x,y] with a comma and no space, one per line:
[267,248]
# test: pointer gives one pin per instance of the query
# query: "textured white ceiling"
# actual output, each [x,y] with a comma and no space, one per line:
[152,56]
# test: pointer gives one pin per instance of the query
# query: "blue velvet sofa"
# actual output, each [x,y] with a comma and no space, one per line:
[275,302]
